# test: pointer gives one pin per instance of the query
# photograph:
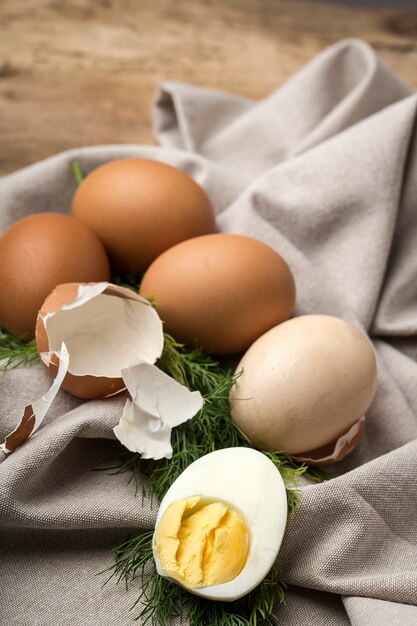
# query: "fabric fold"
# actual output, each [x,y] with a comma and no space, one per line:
[342,85]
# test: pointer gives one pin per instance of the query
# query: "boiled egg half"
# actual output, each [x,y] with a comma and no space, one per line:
[221,524]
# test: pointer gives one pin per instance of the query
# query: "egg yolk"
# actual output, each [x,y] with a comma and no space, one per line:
[200,544]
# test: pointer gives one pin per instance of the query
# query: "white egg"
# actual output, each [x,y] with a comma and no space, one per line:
[249,483]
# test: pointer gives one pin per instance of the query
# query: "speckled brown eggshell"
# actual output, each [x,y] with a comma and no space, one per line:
[37,253]
[305,384]
[86,387]
[220,291]
[139,208]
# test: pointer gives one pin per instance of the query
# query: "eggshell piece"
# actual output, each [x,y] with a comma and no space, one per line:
[105,328]
[139,208]
[249,482]
[338,450]
[220,291]
[159,404]
[303,385]
[36,254]
[34,413]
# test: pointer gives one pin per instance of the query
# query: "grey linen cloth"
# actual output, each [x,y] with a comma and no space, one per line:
[324,171]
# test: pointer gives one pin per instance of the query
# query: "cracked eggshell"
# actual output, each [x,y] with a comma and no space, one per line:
[249,482]
[105,328]
[304,387]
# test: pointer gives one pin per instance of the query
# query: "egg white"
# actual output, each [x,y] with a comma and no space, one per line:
[249,482]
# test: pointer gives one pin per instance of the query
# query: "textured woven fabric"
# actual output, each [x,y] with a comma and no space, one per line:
[324,171]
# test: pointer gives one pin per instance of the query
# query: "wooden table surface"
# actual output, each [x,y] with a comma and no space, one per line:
[82,72]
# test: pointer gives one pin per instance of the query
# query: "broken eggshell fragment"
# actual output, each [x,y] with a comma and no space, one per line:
[105,327]
[159,403]
[337,450]
[34,413]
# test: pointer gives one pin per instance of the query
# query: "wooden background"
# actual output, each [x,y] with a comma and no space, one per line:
[80,72]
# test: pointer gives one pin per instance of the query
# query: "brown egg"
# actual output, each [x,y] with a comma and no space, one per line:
[220,291]
[304,388]
[37,253]
[140,208]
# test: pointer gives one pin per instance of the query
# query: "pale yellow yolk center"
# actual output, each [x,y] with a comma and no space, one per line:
[200,544]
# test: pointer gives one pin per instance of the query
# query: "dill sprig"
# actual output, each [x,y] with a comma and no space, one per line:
[16,351]
[77,172]
[130,280]
[191,367]
[160,600]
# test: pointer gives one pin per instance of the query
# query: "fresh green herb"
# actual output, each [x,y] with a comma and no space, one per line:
[77,172]
[193,367]
[160,600]
[129,280]
[15,351]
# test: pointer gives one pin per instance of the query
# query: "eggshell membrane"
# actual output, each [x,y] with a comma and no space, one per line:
[81,384]
[37,253]
[303,386]
[249,483]
[220,291]
[139,208]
